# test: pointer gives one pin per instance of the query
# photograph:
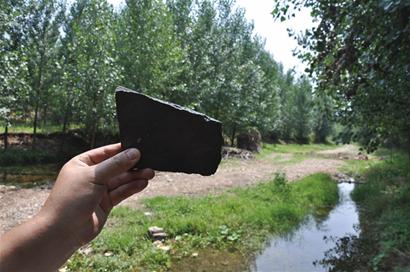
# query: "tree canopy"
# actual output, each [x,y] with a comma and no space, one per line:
[359,54]
[60,63]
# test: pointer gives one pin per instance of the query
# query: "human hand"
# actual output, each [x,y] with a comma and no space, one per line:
[87,188]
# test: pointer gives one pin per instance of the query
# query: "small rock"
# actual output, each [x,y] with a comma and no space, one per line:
[160,245]
[159,236]
[108,254]
[147,213]
[195,254]
[155,229]
[87,250]
[165,248]
[157,243]
[157,233]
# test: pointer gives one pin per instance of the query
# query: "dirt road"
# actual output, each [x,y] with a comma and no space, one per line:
[17,205]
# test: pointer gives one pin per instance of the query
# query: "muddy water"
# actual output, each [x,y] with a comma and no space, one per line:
[298,251]
[28,175]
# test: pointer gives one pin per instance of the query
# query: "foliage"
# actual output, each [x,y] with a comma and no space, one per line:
[362,61]
[323,121]
[241,220]
[12,60]
[40,42]
[61,61]
[92,65]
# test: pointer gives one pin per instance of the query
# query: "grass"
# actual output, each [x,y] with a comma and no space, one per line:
[291,153]
[239,220]
[357,168]
[295,148]
[384,200]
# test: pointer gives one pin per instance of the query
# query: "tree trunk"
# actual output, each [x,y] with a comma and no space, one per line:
[44,116]
[35,125]
[408,143]
[93,135]
[65,120]
[6,135]
[233,135]
[38,88]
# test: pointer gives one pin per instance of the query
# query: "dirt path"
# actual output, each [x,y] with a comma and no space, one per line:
[17,205]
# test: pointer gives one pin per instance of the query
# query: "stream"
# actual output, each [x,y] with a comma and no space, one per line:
[300,250]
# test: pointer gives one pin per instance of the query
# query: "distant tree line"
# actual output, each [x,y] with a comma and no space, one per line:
[60,64]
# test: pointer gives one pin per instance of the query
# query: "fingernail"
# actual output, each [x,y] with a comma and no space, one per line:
[132,153]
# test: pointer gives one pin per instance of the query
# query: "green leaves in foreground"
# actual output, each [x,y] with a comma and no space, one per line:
[239,220]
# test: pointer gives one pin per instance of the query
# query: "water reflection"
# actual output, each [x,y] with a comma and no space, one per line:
[301,250]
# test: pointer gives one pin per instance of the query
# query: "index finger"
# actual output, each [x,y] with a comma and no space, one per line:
[100,154]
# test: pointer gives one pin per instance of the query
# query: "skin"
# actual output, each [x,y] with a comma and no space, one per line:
[86,190]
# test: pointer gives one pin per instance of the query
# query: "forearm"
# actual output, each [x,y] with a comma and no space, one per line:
[37,245]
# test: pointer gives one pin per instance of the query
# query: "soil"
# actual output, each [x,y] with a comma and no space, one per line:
[17,205]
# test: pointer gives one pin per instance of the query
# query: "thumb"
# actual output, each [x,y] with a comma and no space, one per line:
[116,165]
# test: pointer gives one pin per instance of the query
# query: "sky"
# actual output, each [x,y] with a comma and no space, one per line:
[278,41]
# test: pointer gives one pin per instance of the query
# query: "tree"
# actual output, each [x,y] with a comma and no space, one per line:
[92,72]
[284,122]
[150,53]
[362,61]
[12,64]
[41,47]
[323,117]
[302,111]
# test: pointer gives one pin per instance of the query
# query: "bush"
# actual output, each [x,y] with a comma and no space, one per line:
[250,140]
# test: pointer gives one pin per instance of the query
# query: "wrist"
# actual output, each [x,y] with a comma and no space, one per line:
[47,221]
[37,245]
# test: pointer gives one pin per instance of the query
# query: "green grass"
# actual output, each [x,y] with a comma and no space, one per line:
[239,220]
[384,199]
[291,153]
[359,168]
[295,148]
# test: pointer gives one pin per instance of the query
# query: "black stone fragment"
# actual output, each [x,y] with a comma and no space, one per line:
[170,137]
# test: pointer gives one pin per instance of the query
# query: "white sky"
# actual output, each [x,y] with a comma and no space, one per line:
[277,40]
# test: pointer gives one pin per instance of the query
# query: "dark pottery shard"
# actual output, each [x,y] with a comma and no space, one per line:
[170,137]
